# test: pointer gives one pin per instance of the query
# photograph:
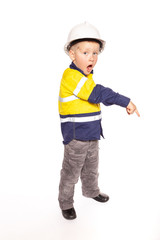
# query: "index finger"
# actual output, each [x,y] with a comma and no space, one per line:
[136,111]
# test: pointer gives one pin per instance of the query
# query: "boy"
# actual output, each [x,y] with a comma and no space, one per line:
[80,115]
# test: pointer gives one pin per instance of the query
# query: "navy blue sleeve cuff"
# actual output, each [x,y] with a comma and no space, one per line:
[123,101]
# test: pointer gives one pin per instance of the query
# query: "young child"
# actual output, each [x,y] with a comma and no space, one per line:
[80,116]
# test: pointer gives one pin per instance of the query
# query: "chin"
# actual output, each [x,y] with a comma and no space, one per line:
[87,73]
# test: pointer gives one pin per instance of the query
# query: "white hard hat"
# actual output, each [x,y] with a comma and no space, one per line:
[82,32]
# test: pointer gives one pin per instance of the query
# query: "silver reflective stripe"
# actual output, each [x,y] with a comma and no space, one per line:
[68,99]
[76,91]
[79,85]
[81,119]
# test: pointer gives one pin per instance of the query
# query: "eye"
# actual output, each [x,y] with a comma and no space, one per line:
[85,53]
[95,53]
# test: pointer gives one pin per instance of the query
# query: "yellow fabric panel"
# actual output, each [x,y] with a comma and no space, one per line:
[86,90]
[69,83]
[78,107]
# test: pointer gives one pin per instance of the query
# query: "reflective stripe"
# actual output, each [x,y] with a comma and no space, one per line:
[76,91]
[79,85]
[81,119]
[68,99]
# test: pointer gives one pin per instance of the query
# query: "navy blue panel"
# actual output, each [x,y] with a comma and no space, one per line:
[73,66]
[88,131]
[81,115]
[81,131]
[67,131]
[107,96]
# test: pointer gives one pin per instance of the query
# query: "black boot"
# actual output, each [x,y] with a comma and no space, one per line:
[101,198]
[69,214]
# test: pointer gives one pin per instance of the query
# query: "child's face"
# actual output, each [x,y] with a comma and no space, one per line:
[85,55]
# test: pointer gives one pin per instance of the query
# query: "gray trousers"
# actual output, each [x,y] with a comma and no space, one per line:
[80,160]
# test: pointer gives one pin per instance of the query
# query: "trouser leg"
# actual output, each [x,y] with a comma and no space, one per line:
[74,157]
[89,173]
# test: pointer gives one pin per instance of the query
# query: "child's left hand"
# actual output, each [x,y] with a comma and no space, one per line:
[131,108]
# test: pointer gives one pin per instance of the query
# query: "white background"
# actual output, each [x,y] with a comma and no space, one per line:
[32,60]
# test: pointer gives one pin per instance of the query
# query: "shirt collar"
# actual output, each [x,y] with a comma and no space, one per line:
[73,66]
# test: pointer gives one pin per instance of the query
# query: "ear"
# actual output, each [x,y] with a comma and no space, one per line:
[72,54]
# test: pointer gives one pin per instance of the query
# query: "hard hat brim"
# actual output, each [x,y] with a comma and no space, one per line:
[68,45]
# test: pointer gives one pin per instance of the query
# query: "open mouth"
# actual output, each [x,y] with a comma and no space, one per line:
[89,68]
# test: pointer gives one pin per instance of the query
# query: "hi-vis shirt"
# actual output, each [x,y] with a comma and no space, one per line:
[79,105]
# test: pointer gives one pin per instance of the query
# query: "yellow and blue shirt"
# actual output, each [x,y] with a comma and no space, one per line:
[79,105]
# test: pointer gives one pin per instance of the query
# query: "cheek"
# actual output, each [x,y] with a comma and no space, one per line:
[96,58]
[82,60]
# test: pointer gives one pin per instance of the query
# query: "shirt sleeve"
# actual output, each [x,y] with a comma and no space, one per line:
[107,96]
[76,84]
[84,88]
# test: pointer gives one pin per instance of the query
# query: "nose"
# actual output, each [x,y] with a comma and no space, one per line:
[91,57]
